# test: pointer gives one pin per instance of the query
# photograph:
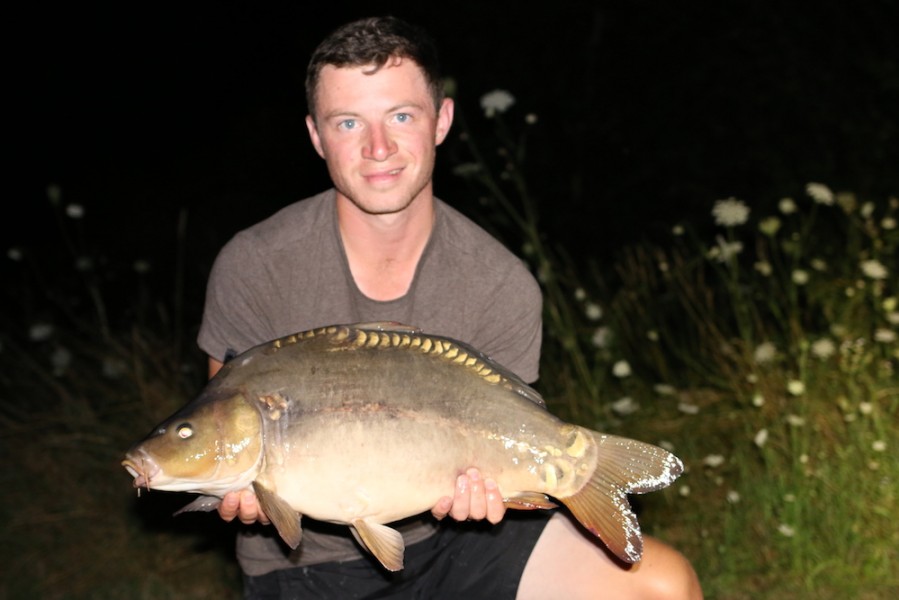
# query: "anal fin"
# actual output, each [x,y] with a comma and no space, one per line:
[285,519]
[529,501]
[384,542]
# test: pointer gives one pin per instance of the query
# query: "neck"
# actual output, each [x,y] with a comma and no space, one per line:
[383,250]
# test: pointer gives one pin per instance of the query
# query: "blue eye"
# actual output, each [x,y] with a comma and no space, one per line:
[403,117]
[347,124]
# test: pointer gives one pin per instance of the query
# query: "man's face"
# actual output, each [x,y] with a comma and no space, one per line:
[378,133]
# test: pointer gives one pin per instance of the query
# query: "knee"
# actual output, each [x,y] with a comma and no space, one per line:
[670,575]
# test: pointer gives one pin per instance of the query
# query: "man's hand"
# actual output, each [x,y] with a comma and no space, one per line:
[474,499]
[242,505]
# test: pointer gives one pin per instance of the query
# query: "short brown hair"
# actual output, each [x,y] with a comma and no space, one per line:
[375,41]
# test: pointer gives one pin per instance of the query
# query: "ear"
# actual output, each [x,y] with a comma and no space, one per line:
[444,120]
[313,135]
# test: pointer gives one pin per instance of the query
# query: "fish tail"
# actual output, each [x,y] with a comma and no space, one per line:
[624,466]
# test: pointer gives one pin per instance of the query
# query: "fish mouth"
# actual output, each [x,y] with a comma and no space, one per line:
[143,469]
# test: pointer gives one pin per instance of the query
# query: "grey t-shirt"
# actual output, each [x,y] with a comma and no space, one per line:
[289,273]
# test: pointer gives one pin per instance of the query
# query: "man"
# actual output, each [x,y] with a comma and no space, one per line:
[381,247]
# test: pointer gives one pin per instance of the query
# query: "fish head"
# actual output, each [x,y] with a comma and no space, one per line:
[211,446]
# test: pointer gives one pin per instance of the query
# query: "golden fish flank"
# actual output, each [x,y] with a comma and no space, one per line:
[372,396]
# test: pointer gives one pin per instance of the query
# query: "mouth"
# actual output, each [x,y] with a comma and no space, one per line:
[384,175]
[143,471]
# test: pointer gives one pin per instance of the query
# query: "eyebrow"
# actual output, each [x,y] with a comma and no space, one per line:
[392,109]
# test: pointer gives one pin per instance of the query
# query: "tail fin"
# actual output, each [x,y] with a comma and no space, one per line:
[624,466]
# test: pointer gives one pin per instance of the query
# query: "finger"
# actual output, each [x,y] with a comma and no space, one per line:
[496,508]
[228,506]
[248,512]
[477,509]
[442,508]
[461,499]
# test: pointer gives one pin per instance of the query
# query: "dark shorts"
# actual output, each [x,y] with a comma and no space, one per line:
[462,560]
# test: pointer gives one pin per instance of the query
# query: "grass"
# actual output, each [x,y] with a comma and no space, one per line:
[760,348]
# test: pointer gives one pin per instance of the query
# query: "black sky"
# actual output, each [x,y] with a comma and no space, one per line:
[647,109]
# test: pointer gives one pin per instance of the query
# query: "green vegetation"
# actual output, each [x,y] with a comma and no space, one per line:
[761,347]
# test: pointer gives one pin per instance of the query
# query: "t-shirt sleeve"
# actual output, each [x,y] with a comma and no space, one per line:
[239,297]
[512,325]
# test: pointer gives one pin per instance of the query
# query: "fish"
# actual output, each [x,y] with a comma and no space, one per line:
[367,424]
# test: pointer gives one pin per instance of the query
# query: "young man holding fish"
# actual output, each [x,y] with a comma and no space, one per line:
[381,247]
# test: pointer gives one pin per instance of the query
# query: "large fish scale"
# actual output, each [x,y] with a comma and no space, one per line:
[369,424]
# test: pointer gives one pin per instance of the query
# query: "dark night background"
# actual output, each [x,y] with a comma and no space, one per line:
[648,111]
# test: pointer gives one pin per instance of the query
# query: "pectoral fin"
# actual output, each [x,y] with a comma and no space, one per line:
[203,503]
[384,542]
[285,519]
[529,501]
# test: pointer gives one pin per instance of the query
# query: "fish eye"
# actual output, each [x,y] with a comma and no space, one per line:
[185,431]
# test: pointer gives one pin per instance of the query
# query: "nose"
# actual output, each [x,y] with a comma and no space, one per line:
[379,145]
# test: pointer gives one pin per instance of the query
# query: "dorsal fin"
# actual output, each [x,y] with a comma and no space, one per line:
[398,335]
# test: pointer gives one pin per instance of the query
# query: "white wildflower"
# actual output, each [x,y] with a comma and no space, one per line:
[713,460]
[75,211]
[761,438]
[888,223]
[625,406]
[795,420]
[663,389]
[847,201]
[678,230]
[580,295]
[621,369]
[467,169]
[823,348]
[730,212]
[593,311]
[884,336]
[684,490]
[60,358]
[652,335]
[866,408]
[602,337]
[795,387]
[769,226]
[867,210]
[725,250]
[803,459]
[765,353]
[799,276]
[820,193]
[874,269]
[758,400]
[496,102]
[819,264]
[40,332]
[787,206]
[530,118]
[764,268]
[687,408]
[879,446]
[893,317]
[890,303]
[786,530]
[733,496]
